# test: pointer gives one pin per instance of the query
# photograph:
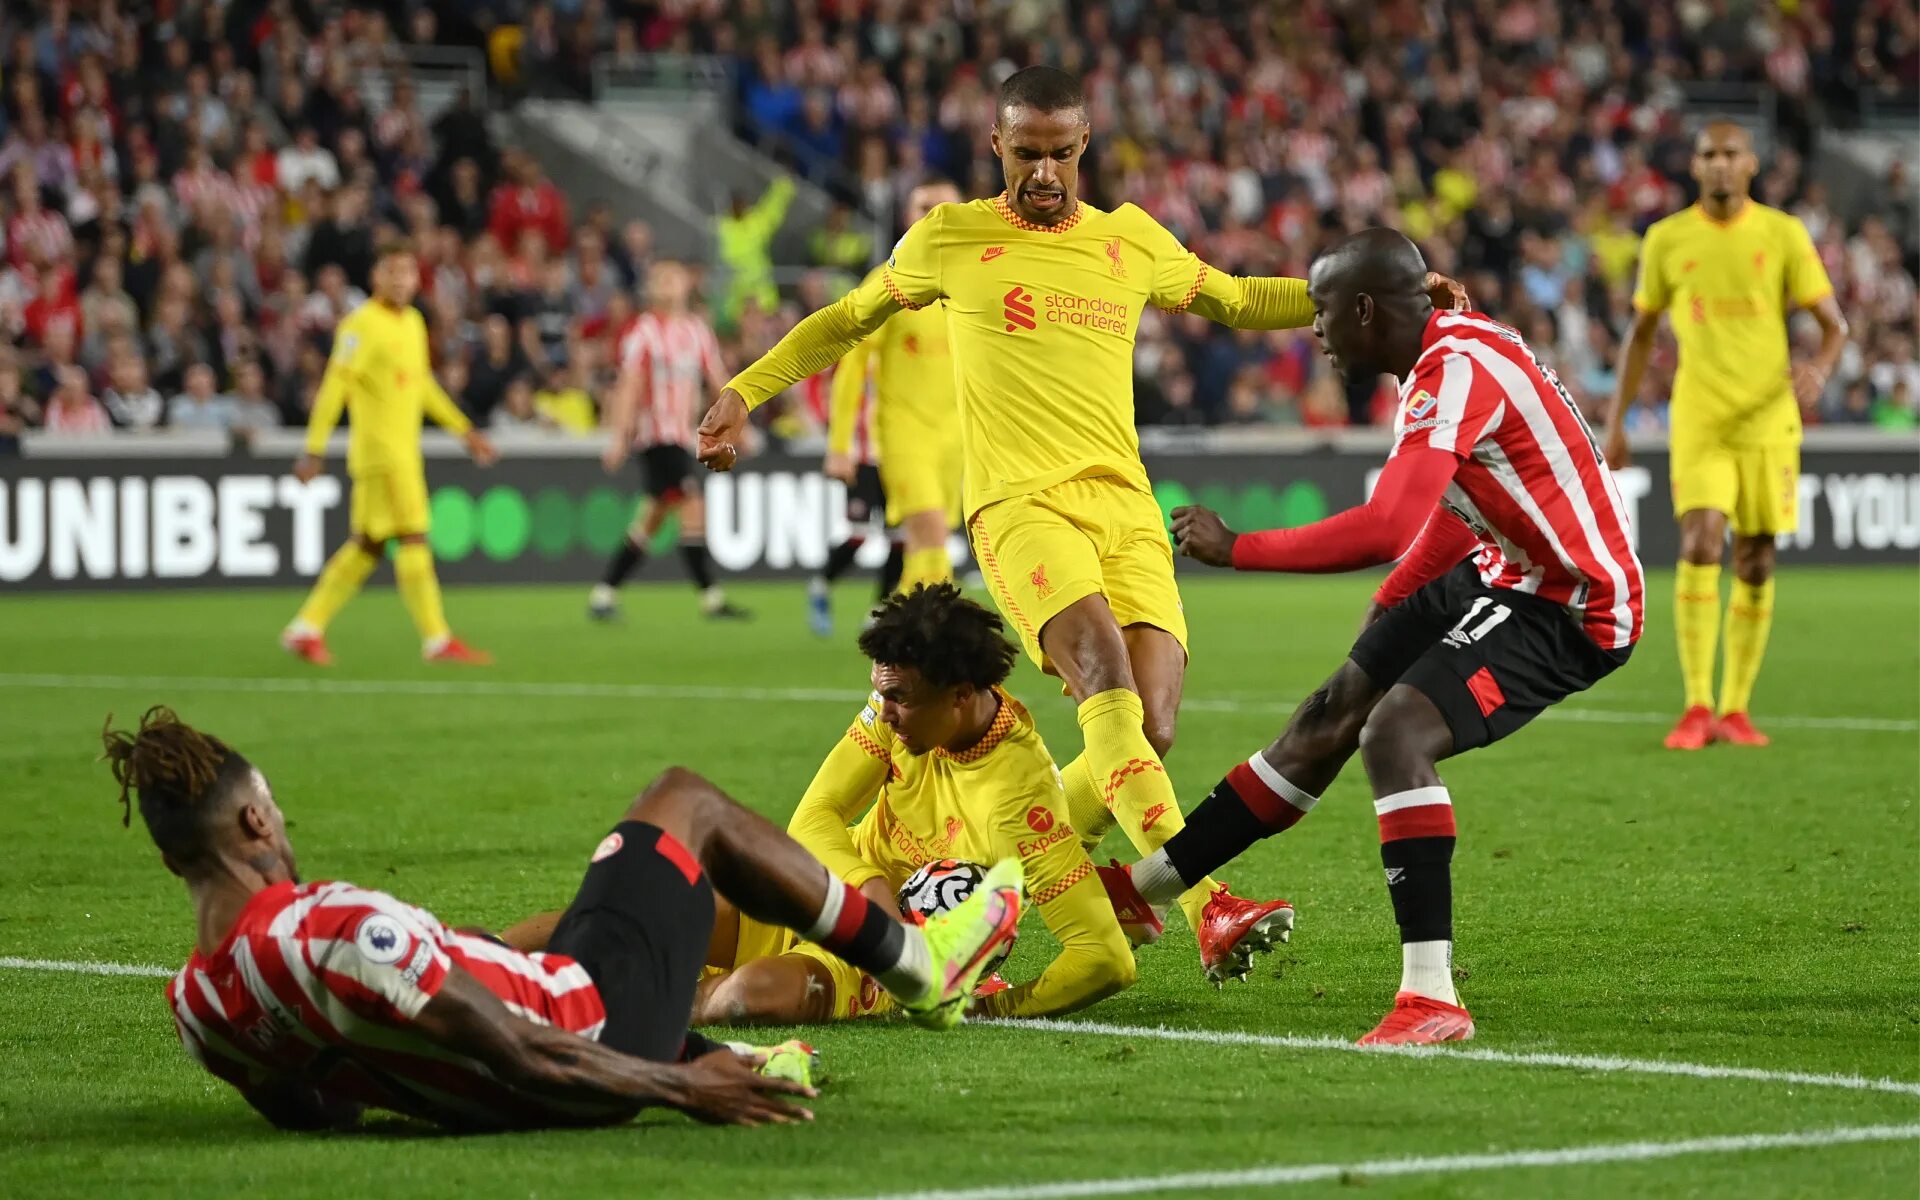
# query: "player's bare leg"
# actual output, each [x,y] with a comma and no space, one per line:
[420,591]
[1696,622]
[925,559]
[305,637]
[602,603]
[1749,621]
[693,552]
[784,989]
[768,876]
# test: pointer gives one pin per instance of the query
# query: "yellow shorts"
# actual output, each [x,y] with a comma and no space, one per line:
[1043,551]
[1758,487]
[389,505]
[922,481]
[855,993]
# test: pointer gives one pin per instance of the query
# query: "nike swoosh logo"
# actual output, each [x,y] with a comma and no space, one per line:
[991,253]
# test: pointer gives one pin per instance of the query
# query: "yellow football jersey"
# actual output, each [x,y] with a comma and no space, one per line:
[381,374]
[1727,287]
[1041,323]
[1000,799]
[911,366]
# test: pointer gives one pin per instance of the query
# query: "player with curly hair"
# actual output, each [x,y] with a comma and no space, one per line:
[319,1000]
[943,763]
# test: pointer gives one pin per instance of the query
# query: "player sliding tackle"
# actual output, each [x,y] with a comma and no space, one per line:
[319,1000]
[1043,295]
[944,764]
[1492,458]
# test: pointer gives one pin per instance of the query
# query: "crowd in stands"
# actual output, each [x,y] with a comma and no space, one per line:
[193,192]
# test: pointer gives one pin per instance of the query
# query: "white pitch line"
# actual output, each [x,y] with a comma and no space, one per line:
[83,968]
[1577,1062]
[1568,1156]
[735,695]
[1280,1041]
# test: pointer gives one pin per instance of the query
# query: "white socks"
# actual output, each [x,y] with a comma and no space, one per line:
[1156,880]
[1426,969]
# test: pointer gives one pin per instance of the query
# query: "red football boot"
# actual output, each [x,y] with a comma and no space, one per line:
[453,650]
[1695,730]
[1138,921]
[1233,930]
[307,647]
[1736,729]
[992,985]
[1418,1020]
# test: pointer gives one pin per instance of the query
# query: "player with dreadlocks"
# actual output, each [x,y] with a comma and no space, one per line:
[943,763]
[319,1000]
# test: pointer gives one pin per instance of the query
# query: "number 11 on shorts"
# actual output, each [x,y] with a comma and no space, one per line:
[1460,635]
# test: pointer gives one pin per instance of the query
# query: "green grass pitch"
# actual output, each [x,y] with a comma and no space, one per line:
[1757,909]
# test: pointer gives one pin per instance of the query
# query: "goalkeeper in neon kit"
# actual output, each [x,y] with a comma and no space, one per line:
[943,763]
[1043,294]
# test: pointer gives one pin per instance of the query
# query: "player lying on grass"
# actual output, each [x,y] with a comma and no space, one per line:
[944,764]
[319,1000]
[1522,590]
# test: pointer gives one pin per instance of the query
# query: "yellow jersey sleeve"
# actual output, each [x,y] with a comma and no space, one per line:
[1652,293]
[849,391]
[846,783]
[1807,282]
[1094,960]
[1183,283]
[341,375]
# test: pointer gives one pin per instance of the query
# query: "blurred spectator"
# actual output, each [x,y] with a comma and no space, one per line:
[201,406]
[73,410]
[132,402]
[516,410]
[564,404]
[746,238]
[499,362]
[527,201]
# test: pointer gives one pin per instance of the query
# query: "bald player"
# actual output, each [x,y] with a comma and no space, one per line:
[1519,587]
[1729,270]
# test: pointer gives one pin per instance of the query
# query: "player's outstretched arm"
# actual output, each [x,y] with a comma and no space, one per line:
[721,1088]
[1376,532]
[813,345]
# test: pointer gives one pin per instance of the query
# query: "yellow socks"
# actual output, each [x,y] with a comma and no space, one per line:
[929,566]
[343,575]
[420,590]
[1749,620]
[1696,624]
[1086,812]
[1133,785]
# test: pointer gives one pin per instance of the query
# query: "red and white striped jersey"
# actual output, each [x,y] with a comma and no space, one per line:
[675,356]
[1532,483]
[320,983]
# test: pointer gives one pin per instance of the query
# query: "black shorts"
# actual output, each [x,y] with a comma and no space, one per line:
[1490,659]
[866,498]
[640,926]
[668,472]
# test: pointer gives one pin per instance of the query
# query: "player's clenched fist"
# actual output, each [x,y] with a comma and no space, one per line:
[1447,294]
[1200,533]
[722,432]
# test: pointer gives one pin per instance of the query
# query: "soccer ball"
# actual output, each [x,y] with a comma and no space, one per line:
[941,885]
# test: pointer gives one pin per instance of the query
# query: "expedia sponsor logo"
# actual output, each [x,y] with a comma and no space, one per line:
[1029,847]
